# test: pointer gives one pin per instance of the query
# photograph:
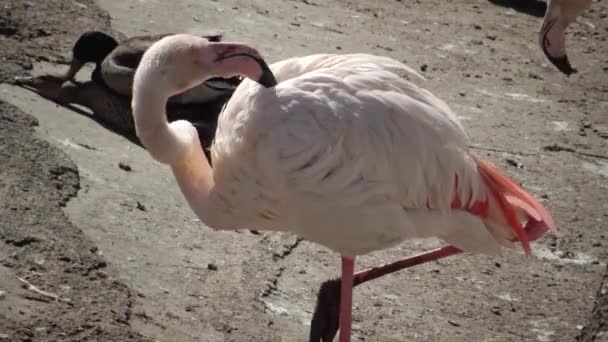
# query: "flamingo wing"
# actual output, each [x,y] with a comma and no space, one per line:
[349,154]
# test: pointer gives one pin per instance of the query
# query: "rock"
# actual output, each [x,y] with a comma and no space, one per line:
[125,166]
[141,207]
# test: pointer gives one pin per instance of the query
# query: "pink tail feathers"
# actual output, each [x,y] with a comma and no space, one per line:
[512,199]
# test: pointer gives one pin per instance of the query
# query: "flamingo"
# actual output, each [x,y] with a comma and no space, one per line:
[338,149]
[552,36]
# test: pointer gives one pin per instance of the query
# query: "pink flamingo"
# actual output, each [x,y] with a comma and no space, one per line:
[343,151]
[552,36]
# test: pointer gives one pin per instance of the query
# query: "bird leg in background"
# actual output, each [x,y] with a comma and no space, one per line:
[346,298]
[324,324]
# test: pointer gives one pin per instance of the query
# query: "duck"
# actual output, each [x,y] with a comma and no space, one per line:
[115,65]
[113,110]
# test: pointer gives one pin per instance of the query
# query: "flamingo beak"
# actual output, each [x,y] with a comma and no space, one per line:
[552,40]
[267,78]
[239,59]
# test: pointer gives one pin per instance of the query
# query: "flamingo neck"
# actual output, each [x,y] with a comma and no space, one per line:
[176,143]
[166,143]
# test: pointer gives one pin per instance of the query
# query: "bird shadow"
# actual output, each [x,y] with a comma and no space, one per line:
[113,111]
[531,7]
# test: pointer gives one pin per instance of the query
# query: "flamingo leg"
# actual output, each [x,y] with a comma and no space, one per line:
[346,298]
[424,257]
[323,326]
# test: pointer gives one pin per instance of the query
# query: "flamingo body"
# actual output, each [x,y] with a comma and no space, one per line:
[347,153]
[343,151]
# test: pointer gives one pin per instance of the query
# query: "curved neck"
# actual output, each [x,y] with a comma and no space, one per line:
[176,144]
[194,176]
[151,126]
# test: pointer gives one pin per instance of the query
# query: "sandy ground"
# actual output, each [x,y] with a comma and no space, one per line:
[130,261]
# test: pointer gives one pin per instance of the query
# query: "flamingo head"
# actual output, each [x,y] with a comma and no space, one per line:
[173,65]
[559,14]
[182,61]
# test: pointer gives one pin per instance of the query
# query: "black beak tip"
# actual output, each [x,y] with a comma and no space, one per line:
[267,78]
[563,65]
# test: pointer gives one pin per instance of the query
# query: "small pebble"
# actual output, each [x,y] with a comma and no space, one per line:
[141,206]
[568,255]
[514,163]
[125,166]
[454,323]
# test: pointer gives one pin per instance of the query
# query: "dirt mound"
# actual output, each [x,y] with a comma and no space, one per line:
[39,246]
[55,286]
[43,31]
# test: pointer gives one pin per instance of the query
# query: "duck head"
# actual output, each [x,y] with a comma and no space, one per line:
[92,46]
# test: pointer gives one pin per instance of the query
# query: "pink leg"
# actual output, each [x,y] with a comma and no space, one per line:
[534,229]
[346,298]
[329,314]
[432,255]
[324,324]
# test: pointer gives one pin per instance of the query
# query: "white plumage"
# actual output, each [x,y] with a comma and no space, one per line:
[346,153]
[343,151]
